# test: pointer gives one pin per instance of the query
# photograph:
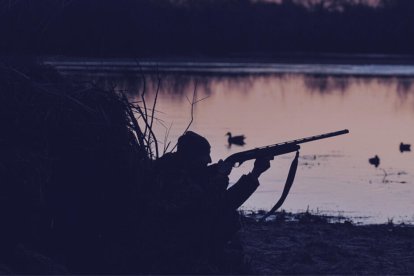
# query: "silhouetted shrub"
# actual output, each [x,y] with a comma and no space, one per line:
[71,170]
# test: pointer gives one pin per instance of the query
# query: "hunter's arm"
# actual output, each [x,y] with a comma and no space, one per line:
[245,187]
[237,194]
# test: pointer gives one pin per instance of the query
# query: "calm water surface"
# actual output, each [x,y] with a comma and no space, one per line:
[334,176]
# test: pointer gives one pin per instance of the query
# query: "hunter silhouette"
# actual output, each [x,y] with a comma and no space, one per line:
[196,205]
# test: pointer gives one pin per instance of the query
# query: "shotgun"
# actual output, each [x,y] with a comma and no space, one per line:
[277,149]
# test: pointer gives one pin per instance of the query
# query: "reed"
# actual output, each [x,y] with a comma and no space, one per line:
[72,156]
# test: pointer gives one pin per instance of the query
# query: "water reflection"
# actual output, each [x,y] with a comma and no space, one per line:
[179,83]
[333,176]
[326,84]
[179,86]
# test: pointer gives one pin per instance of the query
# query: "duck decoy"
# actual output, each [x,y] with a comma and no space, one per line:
[405,147]
[374,161]
[235,140]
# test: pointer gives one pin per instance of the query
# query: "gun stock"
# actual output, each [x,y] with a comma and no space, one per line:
[277,149]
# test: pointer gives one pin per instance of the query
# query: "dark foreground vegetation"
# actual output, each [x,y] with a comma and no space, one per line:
[76,197]
[71,168]
[222,28]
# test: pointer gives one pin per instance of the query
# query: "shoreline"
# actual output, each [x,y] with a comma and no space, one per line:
[329,216]
[288,58]
[312,245]
[358,66]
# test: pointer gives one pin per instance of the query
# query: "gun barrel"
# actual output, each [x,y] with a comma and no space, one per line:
[321,136]
[312,138]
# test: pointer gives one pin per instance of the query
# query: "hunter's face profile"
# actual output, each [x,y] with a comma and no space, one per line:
[194,150]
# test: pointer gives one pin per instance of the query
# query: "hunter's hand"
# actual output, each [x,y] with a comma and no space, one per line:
[224,168]
[260,166]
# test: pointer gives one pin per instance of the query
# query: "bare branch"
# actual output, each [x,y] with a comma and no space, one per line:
[193,102]
[166,145]
[201,99]
[192,107]
[152,114]
[145,136]
[145,113]
[134,121]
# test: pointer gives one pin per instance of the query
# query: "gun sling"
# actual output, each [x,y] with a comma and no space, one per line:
[286,189]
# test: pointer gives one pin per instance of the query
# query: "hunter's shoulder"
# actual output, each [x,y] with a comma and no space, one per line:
[166,161]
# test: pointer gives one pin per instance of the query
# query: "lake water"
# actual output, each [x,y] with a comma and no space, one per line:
[271,103]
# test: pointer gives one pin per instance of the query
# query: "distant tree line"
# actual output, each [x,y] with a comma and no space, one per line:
[204,27]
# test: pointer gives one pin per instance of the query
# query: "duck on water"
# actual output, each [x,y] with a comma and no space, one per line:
[235,140]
